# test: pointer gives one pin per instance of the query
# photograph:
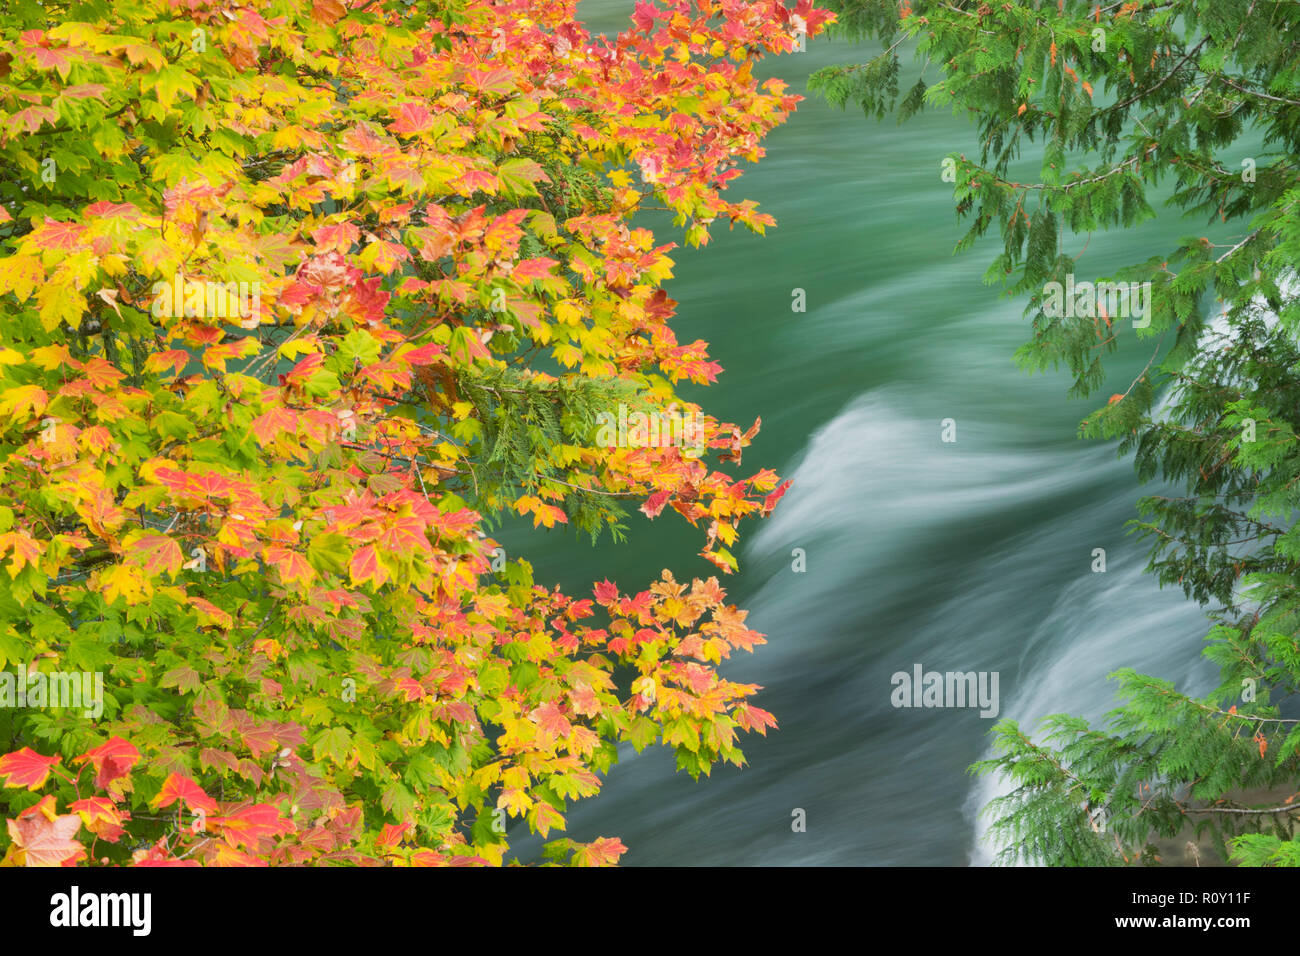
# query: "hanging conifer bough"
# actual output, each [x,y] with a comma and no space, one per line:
[1121,98]
[298,297]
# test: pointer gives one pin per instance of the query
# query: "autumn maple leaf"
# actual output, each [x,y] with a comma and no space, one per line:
[252,824]
[111,760]
[186,790]
[550,719]
[101,817]
[654,504]
[44,838]
[187,437]
[26,768]
[754,718]
[158,855]
[603,851]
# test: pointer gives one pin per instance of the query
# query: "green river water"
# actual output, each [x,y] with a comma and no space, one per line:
[973,555]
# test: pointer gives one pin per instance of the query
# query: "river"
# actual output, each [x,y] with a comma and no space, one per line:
[970,555]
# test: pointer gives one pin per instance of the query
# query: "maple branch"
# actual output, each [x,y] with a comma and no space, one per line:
[594,491]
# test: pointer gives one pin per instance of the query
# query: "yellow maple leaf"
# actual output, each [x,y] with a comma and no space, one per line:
[58,302]
[516,802]
[124,581]
[21,398]
[567,312]
[20,275]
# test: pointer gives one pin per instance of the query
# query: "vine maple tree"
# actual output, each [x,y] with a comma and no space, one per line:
[299,298]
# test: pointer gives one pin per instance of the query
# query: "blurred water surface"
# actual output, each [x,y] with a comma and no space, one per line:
[973,555]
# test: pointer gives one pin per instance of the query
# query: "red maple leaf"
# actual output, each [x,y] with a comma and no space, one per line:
[655,504]
[175,359]
[529,269]
[552,720]
[643,15]
[156,855]
[292,565]
[52,234]
[156,553]
[111,210]
[26,768]
[475,179]
[305,369]
[365,566]
[101,374]
[101,817]
[273,423]
[181,788]
[770,501]
[252,824]
[603,851]
[411,117]
[754,718]
[111,760]
[424,355]
[391,835]
[338,237]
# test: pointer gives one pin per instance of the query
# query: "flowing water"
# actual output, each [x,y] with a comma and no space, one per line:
[973,555]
